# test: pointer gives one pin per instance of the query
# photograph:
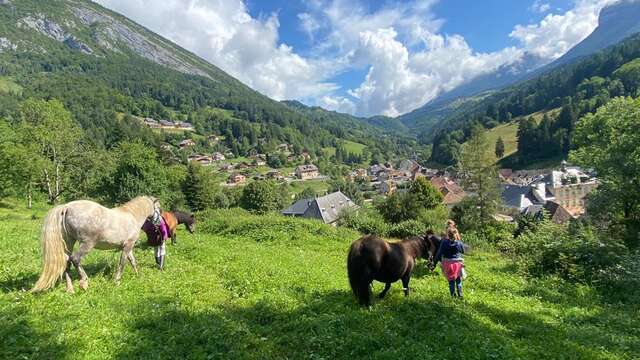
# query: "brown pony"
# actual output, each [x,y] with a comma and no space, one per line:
[371,258]
[175,218]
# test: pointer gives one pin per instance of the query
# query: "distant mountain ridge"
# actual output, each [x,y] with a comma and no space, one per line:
[104,66]
[615,23]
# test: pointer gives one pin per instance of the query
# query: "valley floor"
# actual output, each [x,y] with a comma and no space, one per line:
[279,290]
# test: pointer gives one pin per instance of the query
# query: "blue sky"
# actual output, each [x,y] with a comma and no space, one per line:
[365,57]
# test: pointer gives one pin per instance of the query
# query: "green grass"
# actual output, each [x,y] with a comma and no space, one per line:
[7,86]
[319,186]
[350,146]
[354,147]
[249,287]
[509,132]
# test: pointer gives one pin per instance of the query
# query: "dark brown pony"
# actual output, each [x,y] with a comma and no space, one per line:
[175,218]
[371,258]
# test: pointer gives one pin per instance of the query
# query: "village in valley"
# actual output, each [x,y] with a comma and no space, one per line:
[559,192]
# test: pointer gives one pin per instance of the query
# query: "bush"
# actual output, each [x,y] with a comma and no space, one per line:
[435,218]
[260,197]
[407,228]
[575,252]
[266,228]
[364,221]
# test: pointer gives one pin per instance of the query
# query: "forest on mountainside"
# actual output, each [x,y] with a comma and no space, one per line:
[577,89]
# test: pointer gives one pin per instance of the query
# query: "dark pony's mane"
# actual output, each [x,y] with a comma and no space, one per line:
[184,218]
[415,246]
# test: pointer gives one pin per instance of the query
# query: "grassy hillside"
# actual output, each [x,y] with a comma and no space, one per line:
[509,131]
[8,86]
[272,288]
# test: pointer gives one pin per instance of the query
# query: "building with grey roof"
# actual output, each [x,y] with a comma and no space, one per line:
[326,208]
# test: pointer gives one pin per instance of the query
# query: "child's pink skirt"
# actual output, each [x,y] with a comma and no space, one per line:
[452,269]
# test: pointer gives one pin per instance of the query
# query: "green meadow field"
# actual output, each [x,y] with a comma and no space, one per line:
[268,287]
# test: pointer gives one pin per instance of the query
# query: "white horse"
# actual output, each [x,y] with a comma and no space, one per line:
[91,225]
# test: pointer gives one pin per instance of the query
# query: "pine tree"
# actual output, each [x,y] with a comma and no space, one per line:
[480,179]
[199,188]
[499,148]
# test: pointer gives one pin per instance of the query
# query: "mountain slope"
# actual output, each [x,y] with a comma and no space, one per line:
[100,64]
[616,22]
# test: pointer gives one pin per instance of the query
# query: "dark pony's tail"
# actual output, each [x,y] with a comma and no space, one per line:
[359,272]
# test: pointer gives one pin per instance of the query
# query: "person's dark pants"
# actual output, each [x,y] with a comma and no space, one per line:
[455,285]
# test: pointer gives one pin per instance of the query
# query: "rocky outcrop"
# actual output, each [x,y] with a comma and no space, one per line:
[114,31]
[51,29]
[75,44]
[6,44]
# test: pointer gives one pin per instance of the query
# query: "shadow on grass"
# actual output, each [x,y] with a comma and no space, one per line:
[18,283]
[19,340]
[329,325]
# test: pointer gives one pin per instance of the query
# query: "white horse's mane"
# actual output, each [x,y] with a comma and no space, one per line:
[139,206]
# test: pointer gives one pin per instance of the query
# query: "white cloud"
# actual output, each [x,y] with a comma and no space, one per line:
[540,7]
[557,33]
[224,33]
[337,103]
[400,47]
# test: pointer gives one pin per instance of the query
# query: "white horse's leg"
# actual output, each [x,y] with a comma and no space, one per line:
[132,261]
[126,249]
[84,249]
[67,271]
[67,276]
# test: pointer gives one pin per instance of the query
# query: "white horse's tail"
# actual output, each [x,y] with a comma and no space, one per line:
[54,259]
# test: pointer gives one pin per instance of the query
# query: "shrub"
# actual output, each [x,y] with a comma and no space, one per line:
[407,228]
[260,197]
[364,221]
[435,218]
[572,252]
[264,228]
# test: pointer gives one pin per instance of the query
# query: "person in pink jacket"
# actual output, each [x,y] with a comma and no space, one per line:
[157,233]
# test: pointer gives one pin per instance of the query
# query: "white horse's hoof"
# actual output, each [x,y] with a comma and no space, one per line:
[84,285]
[70,290]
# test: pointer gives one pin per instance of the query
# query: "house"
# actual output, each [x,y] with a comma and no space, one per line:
[199,158]
[243,165]
[410,165]
[305,156]
[167,123]
[259,162]
[151,123]
[165,147]
[186,143]
[226,167]
[505,174]
[556,212]
[237,179]
[374,170]
[306,172]
[387,187]
[184,125]
[213,139]
[218,157]
[283,147]
[326,208]
[275,174]
[516,198]
[570,187]
[390,174]
[452,192]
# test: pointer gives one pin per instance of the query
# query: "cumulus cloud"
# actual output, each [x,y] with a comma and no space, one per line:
[399,46]
[540,6]
[557,33]
[224,33]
